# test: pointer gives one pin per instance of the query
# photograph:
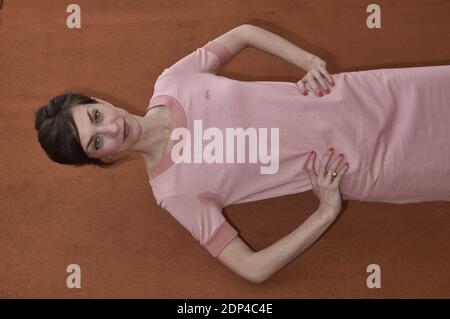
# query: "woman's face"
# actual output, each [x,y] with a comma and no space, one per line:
[101,128]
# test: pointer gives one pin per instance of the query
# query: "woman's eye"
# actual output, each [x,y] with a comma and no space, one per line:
[97,145]
[97,139]
[95,114]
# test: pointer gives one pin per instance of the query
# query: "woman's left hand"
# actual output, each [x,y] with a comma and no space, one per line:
[315,78]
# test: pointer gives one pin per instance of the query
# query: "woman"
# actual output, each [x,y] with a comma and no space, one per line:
[387,122]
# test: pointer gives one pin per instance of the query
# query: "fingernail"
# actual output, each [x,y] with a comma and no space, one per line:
[328,91]
[331,149]
[320,94]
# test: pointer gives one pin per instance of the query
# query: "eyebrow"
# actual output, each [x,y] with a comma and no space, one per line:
[90,140]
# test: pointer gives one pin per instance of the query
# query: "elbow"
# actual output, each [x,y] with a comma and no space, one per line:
[248,25]
[244,262]
[258,280]
[252,276]
[257,276]
[247,31]
[257,271]
[249,28]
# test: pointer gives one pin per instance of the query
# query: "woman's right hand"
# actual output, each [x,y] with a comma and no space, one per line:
[326,187]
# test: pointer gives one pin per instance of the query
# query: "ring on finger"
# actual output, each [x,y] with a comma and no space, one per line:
[336,165]
[334,174]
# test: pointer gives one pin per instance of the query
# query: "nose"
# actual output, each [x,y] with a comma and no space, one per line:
[110,129]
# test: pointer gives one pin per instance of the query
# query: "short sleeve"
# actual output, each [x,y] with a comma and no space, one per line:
[207,59]
[202,217]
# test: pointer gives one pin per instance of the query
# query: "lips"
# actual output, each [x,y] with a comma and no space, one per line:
[125,130]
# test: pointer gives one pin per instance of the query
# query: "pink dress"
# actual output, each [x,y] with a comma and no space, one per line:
[392,125]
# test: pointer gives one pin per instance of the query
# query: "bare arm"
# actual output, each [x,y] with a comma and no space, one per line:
[234,39]
[246,35]
[274,44]
[261,265]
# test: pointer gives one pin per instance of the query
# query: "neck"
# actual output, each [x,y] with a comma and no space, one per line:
[154,136]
